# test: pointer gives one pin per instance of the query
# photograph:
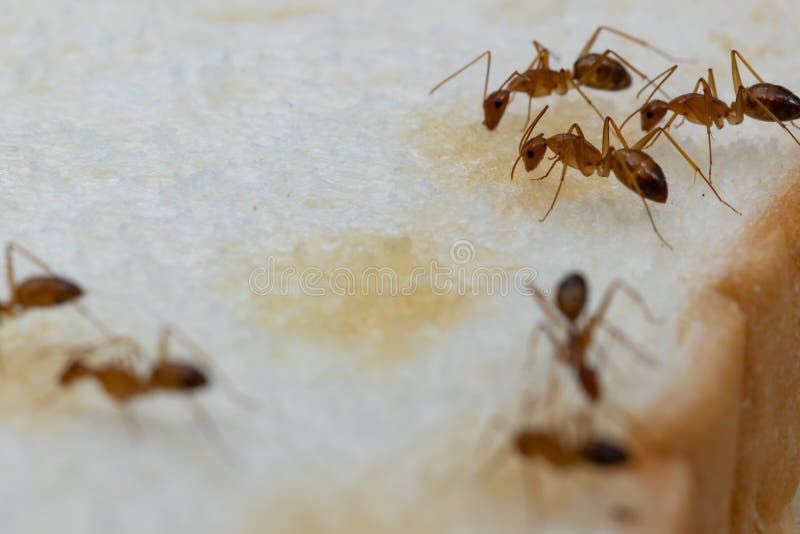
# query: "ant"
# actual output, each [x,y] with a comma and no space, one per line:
[531,444]
[762,101]
[570,304]
[46,291]
[598,71]
[121,382]
[631,165]
[167,374]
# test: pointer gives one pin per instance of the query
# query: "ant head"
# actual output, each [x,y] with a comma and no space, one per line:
[652,113]
[609,75]
[72,372]
[590,383]
[780,101]
[604,453]
[179,376]
[533,151]
[494,106]
[571,296]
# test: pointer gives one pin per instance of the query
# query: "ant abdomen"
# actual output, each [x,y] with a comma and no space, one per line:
[44,291]
[783,103]
[179,376]
[610,75]
[649,178]
[604,453]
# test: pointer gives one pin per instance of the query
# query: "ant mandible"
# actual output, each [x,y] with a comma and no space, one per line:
[762,101]
[598,71]
[631,165]
[570,305]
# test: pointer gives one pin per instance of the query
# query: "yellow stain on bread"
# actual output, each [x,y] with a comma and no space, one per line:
[466,158]
[373,294]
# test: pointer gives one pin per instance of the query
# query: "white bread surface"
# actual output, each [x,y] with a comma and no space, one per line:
[161,153]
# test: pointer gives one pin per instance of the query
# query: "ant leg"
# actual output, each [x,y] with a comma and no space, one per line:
[602,361]
[211,430]
[542,57]
[528,118]
[613,290]
[12,247]
[496,459]
[650,138]
[571,83]
[622,339]
[707,94]
[545,306]
[653,222]
[555,161]
[737,79]
[162,345]
[133,353]
[226,384]
[630,178]
[558,191]
[640,42]
[697,170]
[610,123]
[488,55]
[666,74]
[533,341]
[580,152]
[12,286]
[577,129]
[712,82]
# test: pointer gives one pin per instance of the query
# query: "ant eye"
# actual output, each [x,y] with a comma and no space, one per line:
[530,154]
[498,103]
[649,114]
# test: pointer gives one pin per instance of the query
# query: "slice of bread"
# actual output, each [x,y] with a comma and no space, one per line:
[165,155]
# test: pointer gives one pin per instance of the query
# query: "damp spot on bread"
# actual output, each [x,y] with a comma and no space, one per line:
[374,296]
[464,157]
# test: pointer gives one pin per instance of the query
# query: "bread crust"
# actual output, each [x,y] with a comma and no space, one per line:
[733,417]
